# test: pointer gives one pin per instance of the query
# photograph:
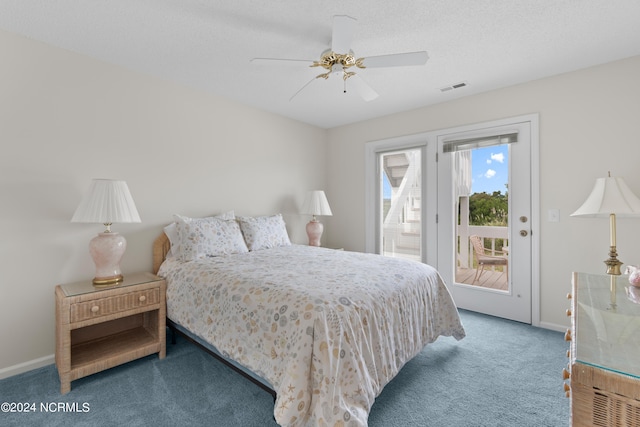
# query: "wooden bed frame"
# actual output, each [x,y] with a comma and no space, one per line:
[161,247]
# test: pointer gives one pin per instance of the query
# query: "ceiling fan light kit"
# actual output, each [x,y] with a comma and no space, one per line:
[341,62]
[338,63]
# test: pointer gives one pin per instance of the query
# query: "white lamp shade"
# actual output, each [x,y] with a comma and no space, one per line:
[107,202]
[610,196]
[316,203]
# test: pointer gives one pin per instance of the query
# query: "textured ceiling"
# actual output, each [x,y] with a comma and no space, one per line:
[208,45]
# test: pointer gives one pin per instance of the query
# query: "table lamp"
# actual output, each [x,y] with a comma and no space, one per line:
[610,198]
[107,202]
[315,204]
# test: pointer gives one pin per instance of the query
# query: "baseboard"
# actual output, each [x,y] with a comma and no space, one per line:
[26,366]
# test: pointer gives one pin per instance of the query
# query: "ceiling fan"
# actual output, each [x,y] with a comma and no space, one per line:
[339,60]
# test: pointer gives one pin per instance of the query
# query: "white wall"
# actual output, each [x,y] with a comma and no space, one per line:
[588,126]
[65,119]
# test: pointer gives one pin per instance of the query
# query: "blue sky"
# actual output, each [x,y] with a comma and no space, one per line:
[386,187]
[490,169]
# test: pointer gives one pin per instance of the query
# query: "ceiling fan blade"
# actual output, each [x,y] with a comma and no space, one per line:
[302,88]
[364,90]
[279,61]
[396,59]
[343,29]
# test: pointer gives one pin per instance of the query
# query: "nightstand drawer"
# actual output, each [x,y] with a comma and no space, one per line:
[106,306]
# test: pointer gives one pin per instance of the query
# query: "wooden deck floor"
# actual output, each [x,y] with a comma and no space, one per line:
[489,279]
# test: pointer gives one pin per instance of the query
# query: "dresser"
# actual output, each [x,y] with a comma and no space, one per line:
[101,327]
[603,374]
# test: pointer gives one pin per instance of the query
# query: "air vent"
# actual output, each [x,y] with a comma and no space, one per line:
[453,86]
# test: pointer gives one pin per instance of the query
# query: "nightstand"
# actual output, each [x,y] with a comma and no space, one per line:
[98,328]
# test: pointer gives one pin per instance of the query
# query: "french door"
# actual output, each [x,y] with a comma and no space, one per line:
[421,205]
[485,196]
[401,174]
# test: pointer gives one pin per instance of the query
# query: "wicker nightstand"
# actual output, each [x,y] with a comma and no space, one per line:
[99,328]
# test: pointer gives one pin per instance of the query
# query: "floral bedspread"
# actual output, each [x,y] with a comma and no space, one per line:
[327,328]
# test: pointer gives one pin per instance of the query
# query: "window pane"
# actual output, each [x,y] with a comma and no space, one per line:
[401,203]
[482,226]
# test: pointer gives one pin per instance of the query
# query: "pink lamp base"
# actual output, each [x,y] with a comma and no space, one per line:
[107,250]
[314,231]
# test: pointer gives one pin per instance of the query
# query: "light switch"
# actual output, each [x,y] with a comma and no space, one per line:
[554,215]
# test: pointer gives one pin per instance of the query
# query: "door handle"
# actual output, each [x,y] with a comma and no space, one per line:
[524,233]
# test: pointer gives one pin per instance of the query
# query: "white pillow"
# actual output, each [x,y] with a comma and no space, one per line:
[171,230]
[209,237]
[264,232]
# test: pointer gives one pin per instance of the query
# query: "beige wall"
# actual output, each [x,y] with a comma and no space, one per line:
[65,119]
[588,126]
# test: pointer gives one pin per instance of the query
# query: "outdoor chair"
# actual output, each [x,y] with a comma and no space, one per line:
[483,259]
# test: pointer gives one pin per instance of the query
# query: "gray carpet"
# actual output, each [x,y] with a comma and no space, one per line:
[502,374]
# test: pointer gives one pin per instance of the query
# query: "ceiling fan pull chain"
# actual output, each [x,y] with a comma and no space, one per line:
[345,86]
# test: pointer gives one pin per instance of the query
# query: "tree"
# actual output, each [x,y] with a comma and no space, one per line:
[489,209]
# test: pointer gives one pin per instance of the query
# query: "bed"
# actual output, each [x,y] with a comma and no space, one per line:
[325,330]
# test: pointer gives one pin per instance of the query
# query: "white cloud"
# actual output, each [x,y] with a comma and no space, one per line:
[499,157]
[490,173]
[488,161]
